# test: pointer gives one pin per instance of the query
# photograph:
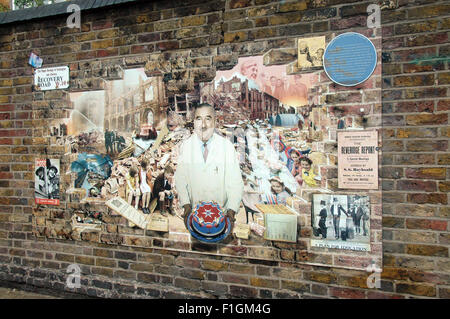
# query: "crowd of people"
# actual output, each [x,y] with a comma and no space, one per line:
[271,171]
[282,86]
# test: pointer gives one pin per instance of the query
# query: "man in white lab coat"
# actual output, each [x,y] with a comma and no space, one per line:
[208,167]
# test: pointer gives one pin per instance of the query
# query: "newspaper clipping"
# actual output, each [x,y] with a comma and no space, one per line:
[358,159]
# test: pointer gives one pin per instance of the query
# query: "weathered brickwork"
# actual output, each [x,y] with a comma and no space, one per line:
[191,42]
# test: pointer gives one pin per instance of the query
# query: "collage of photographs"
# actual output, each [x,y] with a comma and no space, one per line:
[228,160]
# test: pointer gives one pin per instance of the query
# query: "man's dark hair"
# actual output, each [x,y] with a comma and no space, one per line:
[202,105]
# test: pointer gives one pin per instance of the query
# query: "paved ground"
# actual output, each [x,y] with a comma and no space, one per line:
[13,290]
[13,293]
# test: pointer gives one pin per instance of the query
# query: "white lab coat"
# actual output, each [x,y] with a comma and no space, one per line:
[219,179]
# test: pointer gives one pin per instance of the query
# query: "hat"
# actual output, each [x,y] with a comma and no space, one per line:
[208,223]
[276,179]
[322,202]
[39,170]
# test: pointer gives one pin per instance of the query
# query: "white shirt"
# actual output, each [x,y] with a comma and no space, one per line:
[218,179]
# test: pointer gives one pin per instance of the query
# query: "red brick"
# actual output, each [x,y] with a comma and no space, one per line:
[425,39]
[142,48]
[235,4]
[106,53]
[347,293]
[416,185]
[443,105]
[168,45]
[415,223]
[382,295]
[426,145]
[431,198]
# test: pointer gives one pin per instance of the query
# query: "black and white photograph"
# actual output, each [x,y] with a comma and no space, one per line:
[341,221]
[46,185]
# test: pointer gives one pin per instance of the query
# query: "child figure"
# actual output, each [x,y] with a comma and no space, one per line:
[308,175]
[279,191]
[132,189]
[163,190]
[294,165]
[145,178]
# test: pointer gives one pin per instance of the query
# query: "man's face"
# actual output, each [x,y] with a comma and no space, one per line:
[204,123]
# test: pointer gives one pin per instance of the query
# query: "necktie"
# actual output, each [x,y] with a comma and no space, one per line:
[205,152]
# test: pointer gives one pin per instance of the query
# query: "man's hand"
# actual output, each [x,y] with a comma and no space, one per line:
[231,213]
[187,209]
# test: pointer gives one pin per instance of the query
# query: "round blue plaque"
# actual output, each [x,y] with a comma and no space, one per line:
[350,59]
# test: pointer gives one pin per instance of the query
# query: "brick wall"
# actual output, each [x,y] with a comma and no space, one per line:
[415,143]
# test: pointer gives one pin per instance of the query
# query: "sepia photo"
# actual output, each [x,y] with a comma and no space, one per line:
[310,53]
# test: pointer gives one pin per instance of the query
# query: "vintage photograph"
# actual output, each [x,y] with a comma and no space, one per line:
[47,178]
[310,53]
[341,221]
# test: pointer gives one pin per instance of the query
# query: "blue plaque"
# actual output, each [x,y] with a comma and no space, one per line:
[350,59]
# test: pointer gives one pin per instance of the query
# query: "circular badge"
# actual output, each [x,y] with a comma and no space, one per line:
[350,59]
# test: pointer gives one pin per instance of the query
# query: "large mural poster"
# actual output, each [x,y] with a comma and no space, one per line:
[122,147]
